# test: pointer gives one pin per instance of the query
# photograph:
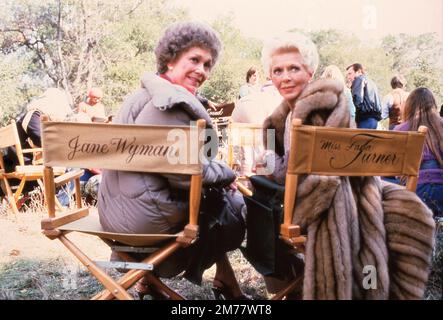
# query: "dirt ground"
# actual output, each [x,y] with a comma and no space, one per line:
[34,267]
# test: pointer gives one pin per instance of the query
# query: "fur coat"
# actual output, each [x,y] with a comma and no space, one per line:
[366,239]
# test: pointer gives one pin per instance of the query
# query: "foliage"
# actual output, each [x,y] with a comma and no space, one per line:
[417,58]
[77,44]
[239,54]
[15,87]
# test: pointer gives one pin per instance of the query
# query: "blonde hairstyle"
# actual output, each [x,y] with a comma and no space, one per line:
[333,72]
[290,41]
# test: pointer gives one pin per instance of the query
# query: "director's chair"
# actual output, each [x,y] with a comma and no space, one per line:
[343,152]
[83,145]
[23,172]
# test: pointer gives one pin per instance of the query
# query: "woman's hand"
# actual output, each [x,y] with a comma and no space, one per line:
[233,186]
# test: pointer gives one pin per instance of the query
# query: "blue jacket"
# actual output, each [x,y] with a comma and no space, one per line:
[366,99]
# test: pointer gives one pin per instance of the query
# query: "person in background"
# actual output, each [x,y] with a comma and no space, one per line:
[334,72]
[393,103]
[256,107]
[251,83]
[253,108]
[54,103]
[365,96]
[92,106]
[421,110]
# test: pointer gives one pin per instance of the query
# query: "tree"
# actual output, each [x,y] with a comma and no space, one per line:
[12,97]
[417,58]
[239,54]
[77,44]
[342,49]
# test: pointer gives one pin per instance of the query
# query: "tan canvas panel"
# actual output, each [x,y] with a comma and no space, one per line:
[167,149]
[91,225]
[7,136]
[351,152]
[245,134]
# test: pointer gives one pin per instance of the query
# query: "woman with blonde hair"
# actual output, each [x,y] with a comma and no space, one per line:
[333,72]
[345,232]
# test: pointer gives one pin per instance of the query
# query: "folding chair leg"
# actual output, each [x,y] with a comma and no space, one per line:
[158,284]
[19,190]
[57,203]
[291,287]
[109,283]
[9,195]
[132,276]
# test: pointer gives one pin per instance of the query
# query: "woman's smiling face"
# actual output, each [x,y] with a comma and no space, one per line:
[191,68]
[289,74]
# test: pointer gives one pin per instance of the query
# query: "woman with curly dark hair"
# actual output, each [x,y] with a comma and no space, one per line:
[157,203]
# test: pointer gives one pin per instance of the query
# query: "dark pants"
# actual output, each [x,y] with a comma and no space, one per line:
[369,123]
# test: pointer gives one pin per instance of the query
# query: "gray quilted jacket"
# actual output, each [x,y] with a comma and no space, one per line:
[135,202]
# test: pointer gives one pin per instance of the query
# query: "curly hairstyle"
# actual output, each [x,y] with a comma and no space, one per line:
[182,36]
[290,41]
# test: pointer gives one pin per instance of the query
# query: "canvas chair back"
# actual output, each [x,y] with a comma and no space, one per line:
[350,152]
[165,149]
[9,138]
[245,143]
[344,152]
[140,148]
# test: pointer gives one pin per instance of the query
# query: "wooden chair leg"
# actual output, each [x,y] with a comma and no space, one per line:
[110,284]
[57,202]
[132,276]
[290,288]
[19,190]
[158,284]
[9,195]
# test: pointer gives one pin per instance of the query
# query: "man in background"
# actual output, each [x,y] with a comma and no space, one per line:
[394,102]
[365,96]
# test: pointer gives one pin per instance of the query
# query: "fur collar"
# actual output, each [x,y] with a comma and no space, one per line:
[166,95]
[322,103]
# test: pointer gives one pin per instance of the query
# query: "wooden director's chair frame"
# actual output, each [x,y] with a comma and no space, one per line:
[242,135]
[34,172]
[55,138]
[314,150]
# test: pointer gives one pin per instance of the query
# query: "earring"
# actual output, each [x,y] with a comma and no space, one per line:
[170,68]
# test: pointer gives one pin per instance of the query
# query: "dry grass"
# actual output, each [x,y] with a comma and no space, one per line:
[33,267]
[434,290]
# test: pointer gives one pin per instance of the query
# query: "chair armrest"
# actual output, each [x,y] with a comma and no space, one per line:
[66,177]
[54,223]
[189,235]
[32,150]
[243,189]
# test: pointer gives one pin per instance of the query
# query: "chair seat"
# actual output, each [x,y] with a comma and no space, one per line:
[91,225]
[30,171]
